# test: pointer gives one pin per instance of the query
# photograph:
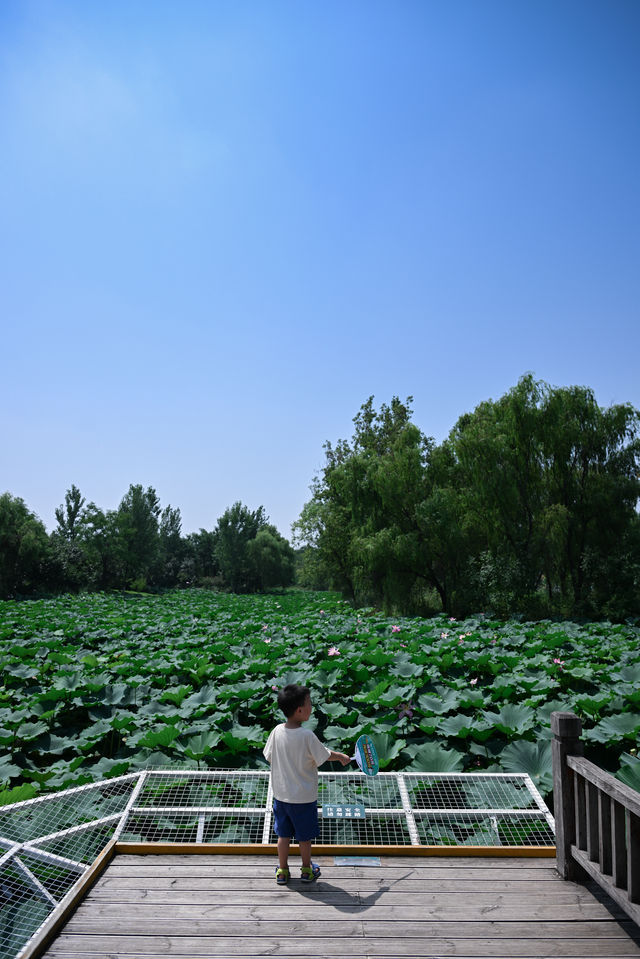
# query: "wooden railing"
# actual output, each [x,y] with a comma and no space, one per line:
[597,819]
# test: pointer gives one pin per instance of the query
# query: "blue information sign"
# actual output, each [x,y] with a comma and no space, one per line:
[343,811]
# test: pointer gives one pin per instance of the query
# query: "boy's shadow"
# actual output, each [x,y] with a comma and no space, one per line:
[341,899]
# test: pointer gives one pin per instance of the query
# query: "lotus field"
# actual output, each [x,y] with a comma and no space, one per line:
[94,686]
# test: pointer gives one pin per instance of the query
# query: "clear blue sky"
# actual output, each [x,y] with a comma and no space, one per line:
[223,225]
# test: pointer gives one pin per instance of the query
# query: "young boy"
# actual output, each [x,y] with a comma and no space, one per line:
[294,755]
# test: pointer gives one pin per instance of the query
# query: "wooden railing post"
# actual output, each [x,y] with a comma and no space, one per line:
[566,729]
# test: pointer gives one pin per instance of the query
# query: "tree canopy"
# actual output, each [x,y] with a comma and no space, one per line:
[138,546]
[529,505]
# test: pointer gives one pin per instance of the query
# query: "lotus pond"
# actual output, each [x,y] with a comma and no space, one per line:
[97,685]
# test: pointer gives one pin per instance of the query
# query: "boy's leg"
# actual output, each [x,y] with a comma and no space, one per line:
[283,851]
[305,852]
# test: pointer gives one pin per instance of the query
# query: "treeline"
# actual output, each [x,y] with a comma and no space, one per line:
[528,507]
[138,546]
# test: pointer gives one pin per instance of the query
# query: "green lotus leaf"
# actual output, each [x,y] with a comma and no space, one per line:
[592,705]
[333,710]
[394,695]
[456,726]
[445,702]
[107,768]
[8,769]
[240,738]
[432,757]
[55,745]
[532,758]
[69,681]
[378,657]
[199,746]
[543,713]
[614,728]
[160,737]
[579,672]
[628,674]
[387,747]
[23,671]
[27,732]
[511,718]
[18,794]
[336,736]
[407,670]
[629,771]
[114,695]
[372,695]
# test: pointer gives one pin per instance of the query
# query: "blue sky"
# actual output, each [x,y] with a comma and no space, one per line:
[225,225]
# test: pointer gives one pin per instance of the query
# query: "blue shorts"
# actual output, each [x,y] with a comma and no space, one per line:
[299,819]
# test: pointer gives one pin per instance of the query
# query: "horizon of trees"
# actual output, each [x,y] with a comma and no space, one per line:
[138,546]
[529,507]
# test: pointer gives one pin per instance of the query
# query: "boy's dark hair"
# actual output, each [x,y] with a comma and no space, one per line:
[291,696]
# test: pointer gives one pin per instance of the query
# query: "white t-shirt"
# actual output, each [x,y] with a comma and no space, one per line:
[294,756]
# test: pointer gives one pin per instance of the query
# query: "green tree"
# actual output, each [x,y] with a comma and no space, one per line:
[99,538]
[69,514]
[138,535]
[552,483]
[376,520]
[24,548]
[498,448]
[272,558]
[70,559]
[592,459]
[529,506]
[235,529]
[200,561]
[171,547]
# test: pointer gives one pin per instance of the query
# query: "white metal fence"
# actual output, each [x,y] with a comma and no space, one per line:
[48,843]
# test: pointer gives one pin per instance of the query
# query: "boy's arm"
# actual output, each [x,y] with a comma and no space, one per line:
[338,758]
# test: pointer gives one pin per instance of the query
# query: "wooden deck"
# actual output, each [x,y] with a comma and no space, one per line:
[230,906]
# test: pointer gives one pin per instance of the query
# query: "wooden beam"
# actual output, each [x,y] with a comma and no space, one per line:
[566,729]
[618,895]
[607,783]
[195,849]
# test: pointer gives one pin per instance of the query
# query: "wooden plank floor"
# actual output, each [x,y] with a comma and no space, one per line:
[230,906]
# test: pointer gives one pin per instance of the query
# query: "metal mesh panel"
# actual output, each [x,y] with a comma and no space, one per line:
[376,830]
[205,789]
[81,846]
[480,792]
[379,792]
[47,844]
[23,907]
[469,829]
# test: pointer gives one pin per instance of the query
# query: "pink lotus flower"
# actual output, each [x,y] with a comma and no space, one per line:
[473,682]
[334,651]
[444,635]
[275,689]
[264,629]
[396,629]
[322,612]
[267,640]
[559,662]
[452,619]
